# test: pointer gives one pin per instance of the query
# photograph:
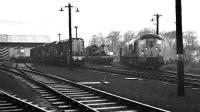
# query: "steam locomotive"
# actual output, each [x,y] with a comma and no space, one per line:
[58,53]
[98,55]
[144,52]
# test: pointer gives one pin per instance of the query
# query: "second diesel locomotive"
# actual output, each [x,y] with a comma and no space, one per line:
[144,52]
[58,53]
[98,55]
[19,54]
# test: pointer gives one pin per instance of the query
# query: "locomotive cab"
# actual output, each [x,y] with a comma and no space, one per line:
[151,45]
[78,53]
[18,54]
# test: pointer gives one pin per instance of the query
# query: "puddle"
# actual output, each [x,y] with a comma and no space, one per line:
[195,88]
[132,78]
[89,83]
[93,83]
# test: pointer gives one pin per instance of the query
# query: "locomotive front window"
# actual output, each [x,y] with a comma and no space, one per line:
[22,50]
[159,42]
[150,42]
[143,42]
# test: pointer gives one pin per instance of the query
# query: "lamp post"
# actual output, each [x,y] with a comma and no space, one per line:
[59,37]
[76,30]
[157,22]
[70,34]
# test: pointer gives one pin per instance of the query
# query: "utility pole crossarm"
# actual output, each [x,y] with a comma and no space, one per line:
[69,5]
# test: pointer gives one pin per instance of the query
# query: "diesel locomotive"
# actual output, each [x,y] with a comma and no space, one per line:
[58,53]
[144,52]
[98,55]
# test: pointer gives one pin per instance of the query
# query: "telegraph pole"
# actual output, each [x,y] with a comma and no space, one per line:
[179,48]
[70,37]
[59,37]
[157,23]
[76,30]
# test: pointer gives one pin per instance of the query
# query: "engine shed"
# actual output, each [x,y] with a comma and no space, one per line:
[15,46]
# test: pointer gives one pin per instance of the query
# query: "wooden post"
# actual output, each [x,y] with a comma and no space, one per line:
[179,47]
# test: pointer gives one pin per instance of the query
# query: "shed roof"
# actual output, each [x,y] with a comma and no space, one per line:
[24,38]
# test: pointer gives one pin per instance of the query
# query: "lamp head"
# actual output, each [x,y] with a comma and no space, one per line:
[61,9]
[77,10]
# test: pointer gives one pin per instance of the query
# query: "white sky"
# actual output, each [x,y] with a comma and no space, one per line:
[42,17]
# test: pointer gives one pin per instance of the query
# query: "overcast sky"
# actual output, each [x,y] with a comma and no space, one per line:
[42,17]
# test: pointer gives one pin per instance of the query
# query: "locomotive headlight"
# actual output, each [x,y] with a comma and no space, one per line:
[156,48]
[146,48]
[22,50]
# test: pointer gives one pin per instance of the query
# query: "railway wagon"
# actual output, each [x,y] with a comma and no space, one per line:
[58,53]
[98,55]
[144,52]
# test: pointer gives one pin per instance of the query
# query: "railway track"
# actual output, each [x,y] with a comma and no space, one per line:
[10,103]
[46,89]
[86,98]
[164,76]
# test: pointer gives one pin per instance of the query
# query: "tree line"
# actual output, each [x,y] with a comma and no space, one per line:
[115,40]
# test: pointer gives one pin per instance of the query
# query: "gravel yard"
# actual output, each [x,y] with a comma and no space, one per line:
[150,92]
